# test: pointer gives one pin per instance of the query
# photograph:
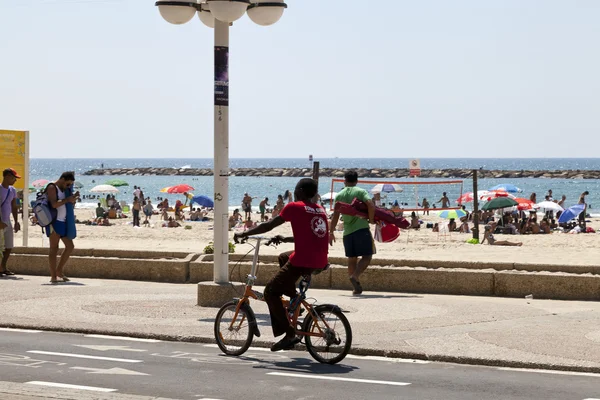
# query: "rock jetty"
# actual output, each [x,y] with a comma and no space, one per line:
[362,172]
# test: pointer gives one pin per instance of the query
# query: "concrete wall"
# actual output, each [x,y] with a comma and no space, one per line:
[478,279]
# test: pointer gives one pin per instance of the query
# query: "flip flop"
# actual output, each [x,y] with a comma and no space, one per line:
[7,272]
[64,279]
[53,282]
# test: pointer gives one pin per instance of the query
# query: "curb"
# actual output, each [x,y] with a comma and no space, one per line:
[358,351]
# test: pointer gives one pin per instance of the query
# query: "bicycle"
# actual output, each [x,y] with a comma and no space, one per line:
[236,324]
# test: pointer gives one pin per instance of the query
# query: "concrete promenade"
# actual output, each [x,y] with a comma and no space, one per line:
[511,332]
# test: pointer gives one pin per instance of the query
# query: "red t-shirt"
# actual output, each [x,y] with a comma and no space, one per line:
[311,234]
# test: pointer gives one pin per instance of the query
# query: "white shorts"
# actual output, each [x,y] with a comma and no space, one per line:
[9,236]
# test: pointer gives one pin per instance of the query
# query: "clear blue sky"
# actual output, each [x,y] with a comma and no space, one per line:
[389,78]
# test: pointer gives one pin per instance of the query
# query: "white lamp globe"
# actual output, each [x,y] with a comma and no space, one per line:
[176,11]
[266,12]
[228,10]
[206,16]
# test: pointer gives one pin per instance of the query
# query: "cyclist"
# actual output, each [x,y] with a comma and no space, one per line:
[311,239]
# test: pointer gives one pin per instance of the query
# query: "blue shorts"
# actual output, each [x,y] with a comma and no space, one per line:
[359,243]
[59,227]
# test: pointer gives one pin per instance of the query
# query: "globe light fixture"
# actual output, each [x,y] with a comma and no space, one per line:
[266,12]
[177,12]
[228,10]
[205,15]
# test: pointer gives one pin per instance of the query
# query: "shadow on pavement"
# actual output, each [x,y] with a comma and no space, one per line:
[382,296]
[303,365]
[64,284]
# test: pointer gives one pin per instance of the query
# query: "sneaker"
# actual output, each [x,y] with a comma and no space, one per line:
[357,287]
[286,343]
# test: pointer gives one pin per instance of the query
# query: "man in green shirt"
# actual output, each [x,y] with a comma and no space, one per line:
[358,241]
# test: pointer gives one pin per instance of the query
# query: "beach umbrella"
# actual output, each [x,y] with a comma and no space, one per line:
[40,183]
[449,214]
[104,189]
[78,185]
[203,201]
[494,194]
[116,182]
[468,197]
[177,189]
[499,202]
[549,206]
[571,212]
[386,188]
[507,187]
[329,196]
[524,204]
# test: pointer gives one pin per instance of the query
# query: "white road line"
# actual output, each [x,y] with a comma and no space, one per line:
[388,359]
[20,330]
[333,378]
[50,353]
[591,399]
[214,346]
[132,339]
[550,371]
[67,386]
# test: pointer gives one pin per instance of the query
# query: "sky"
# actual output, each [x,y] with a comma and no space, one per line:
[388,78]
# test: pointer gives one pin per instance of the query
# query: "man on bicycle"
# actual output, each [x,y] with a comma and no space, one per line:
[311,239]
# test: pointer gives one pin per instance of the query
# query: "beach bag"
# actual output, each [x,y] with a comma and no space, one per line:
[44,213]
[386,233]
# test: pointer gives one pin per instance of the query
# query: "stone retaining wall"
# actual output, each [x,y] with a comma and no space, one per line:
[439,277]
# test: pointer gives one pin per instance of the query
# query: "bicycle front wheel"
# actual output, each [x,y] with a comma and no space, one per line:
[233,337]
[335,334]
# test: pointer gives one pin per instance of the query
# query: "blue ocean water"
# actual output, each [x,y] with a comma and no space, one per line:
[271,187]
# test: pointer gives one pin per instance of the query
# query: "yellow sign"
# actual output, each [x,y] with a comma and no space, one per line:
[13,149]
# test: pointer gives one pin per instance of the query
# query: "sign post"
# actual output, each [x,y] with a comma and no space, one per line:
[414,168]
[14,153]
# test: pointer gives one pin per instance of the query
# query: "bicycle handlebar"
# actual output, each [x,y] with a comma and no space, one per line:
[270,240]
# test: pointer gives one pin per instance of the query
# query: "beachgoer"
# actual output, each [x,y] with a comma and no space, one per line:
[309,225]
[533,198]
[247,205]
[487,235]
[425,206]
[135,209]
[414,221]
[148,210]
[444,200]
[100,211]
[464,208]
[583,214]
[464,226]
[8,206]
[358,241]
[451,225]
[550,195]
[165,214]
[136,192]
[545,226]
[61,197]
[561,202]
[249,224]
[436,227]
[377,199]
[278,206]
[188,197]
[287,196]
[263,207]
[234,219]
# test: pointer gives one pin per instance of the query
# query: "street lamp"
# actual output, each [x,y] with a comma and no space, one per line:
[220,14]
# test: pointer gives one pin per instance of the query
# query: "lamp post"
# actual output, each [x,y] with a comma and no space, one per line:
[219,15]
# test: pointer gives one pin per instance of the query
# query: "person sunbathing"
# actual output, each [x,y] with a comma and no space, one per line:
[414,221]
[487,235]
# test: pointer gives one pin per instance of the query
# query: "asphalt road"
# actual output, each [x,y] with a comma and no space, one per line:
[198,371]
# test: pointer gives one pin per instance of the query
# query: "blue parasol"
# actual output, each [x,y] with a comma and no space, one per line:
[507,187]
[203,201]
[571,212]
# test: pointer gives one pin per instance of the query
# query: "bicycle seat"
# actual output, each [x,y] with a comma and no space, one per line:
[315,272]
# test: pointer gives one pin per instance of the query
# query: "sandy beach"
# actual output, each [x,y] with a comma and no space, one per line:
[423,244]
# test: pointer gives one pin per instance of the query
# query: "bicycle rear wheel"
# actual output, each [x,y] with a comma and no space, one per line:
[233,339]
[334,345]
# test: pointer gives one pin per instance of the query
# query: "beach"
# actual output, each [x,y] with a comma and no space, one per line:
[422,244]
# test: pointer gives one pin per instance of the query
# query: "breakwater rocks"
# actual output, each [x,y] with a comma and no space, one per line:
[362,172]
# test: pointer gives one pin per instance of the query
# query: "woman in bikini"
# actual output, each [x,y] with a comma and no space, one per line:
[487,235]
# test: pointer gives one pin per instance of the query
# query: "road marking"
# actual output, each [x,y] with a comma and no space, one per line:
[20,330]
[109,371]
[550,371]
[333,378]
[214,346]
[132,339]
[67,386]
[107,348]
[591,399]
[388,359]
[51,353]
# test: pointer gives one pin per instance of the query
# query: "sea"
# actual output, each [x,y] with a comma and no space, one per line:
[270,187]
